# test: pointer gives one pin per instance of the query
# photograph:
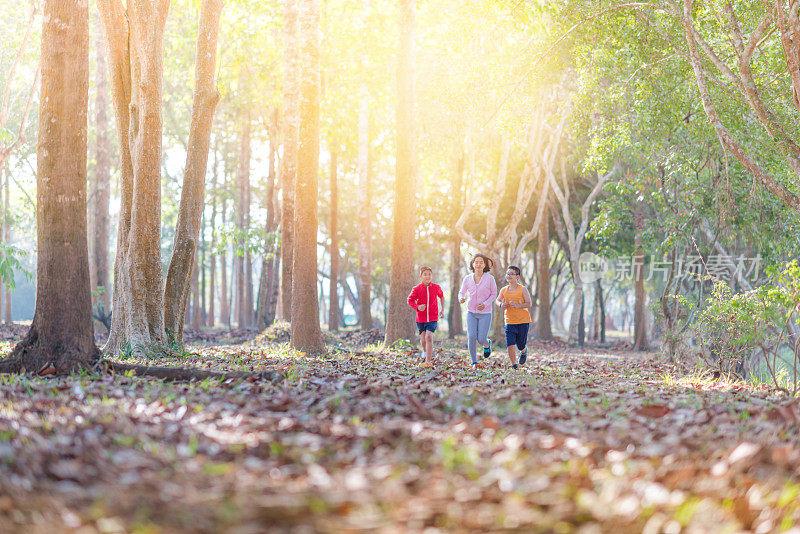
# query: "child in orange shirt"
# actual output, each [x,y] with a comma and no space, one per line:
[514,300]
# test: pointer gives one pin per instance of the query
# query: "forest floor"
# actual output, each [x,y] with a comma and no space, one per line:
[363,439]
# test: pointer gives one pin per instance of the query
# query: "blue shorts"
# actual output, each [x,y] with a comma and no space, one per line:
[430,327]
[517,334]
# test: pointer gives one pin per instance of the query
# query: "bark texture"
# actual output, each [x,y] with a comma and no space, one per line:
[102,177]
[190,211]
[289,170]
[61,334]
[268,285]
[135,45]
[400,318]
[544,329]
[306,331]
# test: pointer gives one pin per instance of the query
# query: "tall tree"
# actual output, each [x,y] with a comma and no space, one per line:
[212,268]
[574,240]
[306,333]
[7,308]
[268,285]
[102,176]
[544,330]
[242,215]
[639,320]
[190,211]
[135,44]
[399,321]
[224,303]
[61,337]
[289,170]
[333,289]
[364,194]
[454,324]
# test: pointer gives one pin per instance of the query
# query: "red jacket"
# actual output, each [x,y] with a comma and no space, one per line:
[422,294]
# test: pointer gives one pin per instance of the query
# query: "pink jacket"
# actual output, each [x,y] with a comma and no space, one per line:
[483,293]
[422,294]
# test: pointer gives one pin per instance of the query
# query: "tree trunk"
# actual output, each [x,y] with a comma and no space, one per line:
[224,308]
[242,209]
[202,263]
[333,290]
[544,330]
[136,74]
[102,176]
[248,255]
[4,177]
[639,320]
[212,268]
[61,335]
[400,318]
[306,333]
[364,199]
[9,319]
[454,325]
[577,301]
[269,268]
[498,320]
[187,229]
[195,322]
[289,171]
[601,307]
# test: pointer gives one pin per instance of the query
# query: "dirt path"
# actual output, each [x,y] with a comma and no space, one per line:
[364,439]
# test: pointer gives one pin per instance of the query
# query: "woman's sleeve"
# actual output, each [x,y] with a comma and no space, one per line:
[493,288]
[463,289]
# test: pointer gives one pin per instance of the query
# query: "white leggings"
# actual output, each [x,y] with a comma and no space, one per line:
[477,332]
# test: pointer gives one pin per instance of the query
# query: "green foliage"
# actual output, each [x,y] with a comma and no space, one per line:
[738,331]
[10,263]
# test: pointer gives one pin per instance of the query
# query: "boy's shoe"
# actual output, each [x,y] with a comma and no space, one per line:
[515,366]
[523,356]
[487,351]
[426,364]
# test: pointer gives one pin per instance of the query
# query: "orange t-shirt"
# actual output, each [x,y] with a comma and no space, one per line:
[515,315]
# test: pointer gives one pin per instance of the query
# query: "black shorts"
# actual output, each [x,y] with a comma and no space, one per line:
[517,334]
[430,326]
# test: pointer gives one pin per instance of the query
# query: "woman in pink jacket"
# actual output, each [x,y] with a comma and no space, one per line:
[481,289]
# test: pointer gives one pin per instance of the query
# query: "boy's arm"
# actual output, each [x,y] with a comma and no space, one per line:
[412,298]
[526,297]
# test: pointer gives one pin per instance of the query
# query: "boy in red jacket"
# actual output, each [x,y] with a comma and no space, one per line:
[423,298]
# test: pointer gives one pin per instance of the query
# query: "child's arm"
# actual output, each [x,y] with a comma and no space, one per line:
[412,299]
[501,300]
[527,300]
